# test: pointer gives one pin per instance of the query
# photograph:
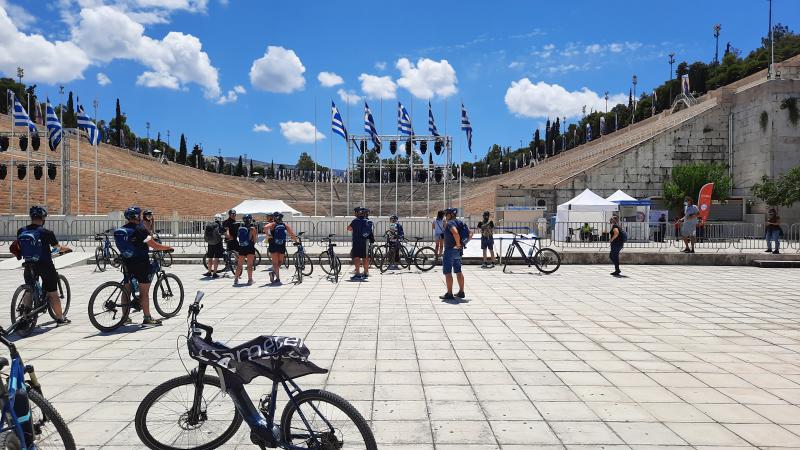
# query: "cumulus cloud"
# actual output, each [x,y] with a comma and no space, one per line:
[329,79]
[19,15]
[374,86]
[261,128]
[102,79]
[526,99]
[232,96]
[43,60]
[186,5]
[279,71]
[106,33]
[349,96]
[427,78]
[300,132]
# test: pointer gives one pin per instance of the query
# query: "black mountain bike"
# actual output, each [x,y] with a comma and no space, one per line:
[423,257]
[328,261]
[303,266]
[228,261]
[545,259]
[29,302]
[202,411]
[163,258]
[105,253]
[111,303]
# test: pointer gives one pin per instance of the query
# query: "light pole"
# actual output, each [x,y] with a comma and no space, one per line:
[633,113]
[771,44]
[717,29]
[20,75]
[147,125]
[95,104]
[671,62]
[606,97]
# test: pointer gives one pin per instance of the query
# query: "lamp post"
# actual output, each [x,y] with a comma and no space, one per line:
[635,81]
[770,73]
[717,29]
[95,104]
[147,125]
[606,97]
[20,75]
[671,62]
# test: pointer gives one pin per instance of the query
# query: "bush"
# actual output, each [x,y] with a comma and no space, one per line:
[687,180]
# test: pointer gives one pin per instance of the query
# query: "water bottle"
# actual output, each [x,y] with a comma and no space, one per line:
[135,286]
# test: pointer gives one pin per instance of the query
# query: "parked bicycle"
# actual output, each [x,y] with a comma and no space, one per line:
[202,411]
[28,420]
[545,259]
[111,303]
[29,302]
[423,257]
[105,253]
[164,258]
[227,262]
[328,261]
[303,266]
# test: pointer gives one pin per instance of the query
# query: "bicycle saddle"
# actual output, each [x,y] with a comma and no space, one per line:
[332,235]
[301,233]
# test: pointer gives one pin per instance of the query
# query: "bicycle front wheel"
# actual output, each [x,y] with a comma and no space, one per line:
[108,306]
[405,260]
[330,266]
[165,419]
[425,258]
[50,430]
[166,259]
[507,259]
[20,312]
[256,259]
[168,295]
[64,294]
[547,260]
[321,419]
[100,259]
[308,265]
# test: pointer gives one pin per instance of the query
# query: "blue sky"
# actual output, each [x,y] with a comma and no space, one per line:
[214,70]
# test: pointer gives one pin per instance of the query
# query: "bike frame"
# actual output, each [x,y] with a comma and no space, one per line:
[16,382]
[516,244]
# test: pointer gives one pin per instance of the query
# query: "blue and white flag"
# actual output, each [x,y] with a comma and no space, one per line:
[85,123]
[602,125]
[466,126]
[588,132]
[54,129]
[431,123]
[337,124]
[404,121]
[21,117]
[369,127]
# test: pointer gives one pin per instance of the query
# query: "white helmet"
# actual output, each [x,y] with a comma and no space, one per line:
[218,217]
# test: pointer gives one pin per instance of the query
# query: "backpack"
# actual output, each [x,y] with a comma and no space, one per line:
[623,236]
[212,235]
[123,238]
[464,232]
[367,232]
[279,234]
[30,243]
[243,236]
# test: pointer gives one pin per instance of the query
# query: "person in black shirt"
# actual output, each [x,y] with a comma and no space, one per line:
[230,227]
[359,251]
[616,245]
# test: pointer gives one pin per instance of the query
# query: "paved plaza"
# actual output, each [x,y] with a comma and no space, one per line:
[668,357]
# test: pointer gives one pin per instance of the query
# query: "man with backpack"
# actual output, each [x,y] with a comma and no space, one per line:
[133,243]
[35,243]
[456,236]
[394,236]
[360,234]
[278,231]
[246,235]
[213,237]
[617,241]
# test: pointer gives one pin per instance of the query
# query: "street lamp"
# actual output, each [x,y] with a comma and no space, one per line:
[771,44]
[633,113]
[717,29]
[20,75]
[671,62]
[606,97]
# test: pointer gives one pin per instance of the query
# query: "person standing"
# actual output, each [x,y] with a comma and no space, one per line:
[689,223]
[358,228]
[661,231]
[278,231]
[213,237]
[230,228]
[773,230]
[453,251]
[616,241]
[395,236]
[486,227]
[246,235]
[148,222]
[438,233]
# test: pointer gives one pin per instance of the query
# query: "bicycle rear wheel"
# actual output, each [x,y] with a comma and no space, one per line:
[113,258]
[256,259]
[50,430]
[100,259]
[168,295]
[405,260]
[308,264]
[64,294]
[547,260]
[164,419]
[166,259]
[425,258]
[330,266]
[107,307]
[20,312]
[321,419]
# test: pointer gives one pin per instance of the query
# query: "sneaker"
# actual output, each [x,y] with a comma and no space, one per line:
[686,250]
[216,275]
[615,273]
[356,277]
[63,321]
[127,321]
[768,251]
[447,296]
[776,252]
[691,251]
[484,265]
[491,265]
[151,322]
[249,282]
[365,276]
[276,283]
[461,294]
[207,274]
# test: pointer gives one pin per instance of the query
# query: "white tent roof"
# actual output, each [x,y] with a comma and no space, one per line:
[262,206]
[620,196]
[588,201]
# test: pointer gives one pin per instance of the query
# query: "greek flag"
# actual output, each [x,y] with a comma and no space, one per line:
[84,123]
[369,127]
[403,121]
[602,125]
[431,123]
[21,117]
[588,132]
[54,129]
[466,126]
[337,124]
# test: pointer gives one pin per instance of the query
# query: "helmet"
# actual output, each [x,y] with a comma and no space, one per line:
[453,211]
[231,211]
[278,216]
[217,217]
[133,212]
[38,212]
[147,212]
[486,213]
[247,218]
[393,217]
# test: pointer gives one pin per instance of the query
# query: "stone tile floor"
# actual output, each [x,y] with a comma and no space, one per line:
[668,357]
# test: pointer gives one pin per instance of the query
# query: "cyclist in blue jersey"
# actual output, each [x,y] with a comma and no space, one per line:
[246,235]
[278,231]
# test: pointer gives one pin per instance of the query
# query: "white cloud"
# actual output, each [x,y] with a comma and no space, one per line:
[427,78]
[19,15]
[239,89]
[106,33]
[186,5]
[374,86]
[380,65]
[300,132]
[261,128]
[102,79]
[594,49]
[516,65]
[526,99]
[349,96]
[43,61]
[329,79]
[279,70]
[232,96]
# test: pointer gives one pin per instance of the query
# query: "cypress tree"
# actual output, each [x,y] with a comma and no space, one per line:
[220,164]
[239,167]
[536,142]
[182,151]
[70,121]
[118,122]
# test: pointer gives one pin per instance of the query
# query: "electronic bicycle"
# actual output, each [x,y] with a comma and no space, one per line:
[545,259]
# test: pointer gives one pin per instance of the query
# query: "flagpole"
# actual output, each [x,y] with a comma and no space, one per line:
[10,142]
[315,155]
[460,163]
[428,171]
[28,155]
[444,178]
[396,176]
[330,178]
[411,158]
[47,142]
[96,144]
[347,140]
[380,172]
[78,167]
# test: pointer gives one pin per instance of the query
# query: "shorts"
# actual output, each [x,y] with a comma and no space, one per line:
[487,243]
[47,272]
[440,237]
[142,271]
[689,228]
[451,261]
[359,249]
[247,251]
[215,251]
[276,248]
[232,245]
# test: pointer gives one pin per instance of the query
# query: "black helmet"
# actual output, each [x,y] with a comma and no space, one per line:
[38,212]
[247,218]
[453,211]
[394,217]
[133,212]
[486,214]
[278,216]
[231,211]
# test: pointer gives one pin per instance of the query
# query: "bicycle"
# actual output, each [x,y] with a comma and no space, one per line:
[195,409]
[163,258]
[424,258]
[228,260]
[40,426]
[328,261]
[111,302]
[28,302]
[545,259]
[104,254]
[303,264]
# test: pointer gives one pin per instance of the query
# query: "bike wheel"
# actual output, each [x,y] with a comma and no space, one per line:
[547,260]
[377,258]
[298,269]
[308,265]
[163,423]
[50,430]
[405,260]
[168,295]
[64,294]
[107,310]
[166,259]
[321,419]
[325,263]
[205,261]
[509,255]
[256,259]
[100,259]
[113,258]
[386,258]
[21,312]
[425,258]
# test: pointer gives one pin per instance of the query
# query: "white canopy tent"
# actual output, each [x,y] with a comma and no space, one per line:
[586,207]
[620,196]
[262,206]
[635,215]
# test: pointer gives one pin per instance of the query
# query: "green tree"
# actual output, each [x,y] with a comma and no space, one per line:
[781,191]
[70,119]
[117,121]
[239,167]
[686,181]
[305,162]
[182,150]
